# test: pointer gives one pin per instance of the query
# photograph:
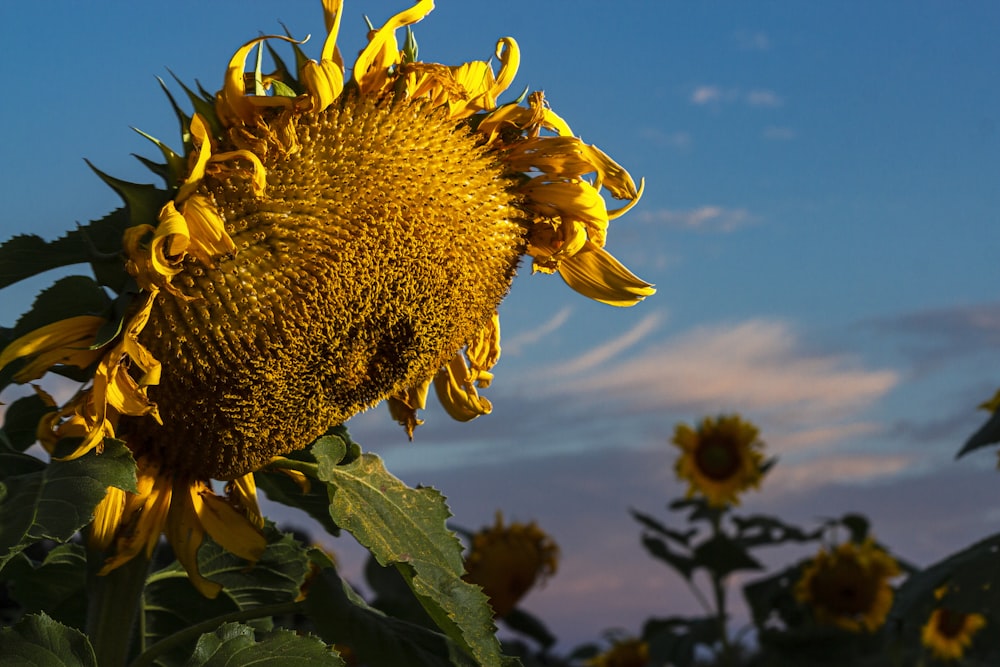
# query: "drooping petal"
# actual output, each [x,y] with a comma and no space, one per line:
[64,342]
[594,273]
[382,51]
[456,390]
[230,528]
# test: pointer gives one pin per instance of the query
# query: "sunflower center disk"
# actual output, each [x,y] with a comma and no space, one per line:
[375,254]
[718,458]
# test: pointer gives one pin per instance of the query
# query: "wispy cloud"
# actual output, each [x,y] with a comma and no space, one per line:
[857,468]
[708,94]
[708,217]
[516,344]
[613,348]
[756,365]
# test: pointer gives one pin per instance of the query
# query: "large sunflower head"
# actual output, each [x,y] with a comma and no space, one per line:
[507,561]
[720,459]
[324,243]
[848,586]
[948,633]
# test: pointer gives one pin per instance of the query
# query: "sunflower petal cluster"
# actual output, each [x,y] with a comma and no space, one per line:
[720,459]
[325,241]
[948,633]
[625,652]
[849,586]
[507,560]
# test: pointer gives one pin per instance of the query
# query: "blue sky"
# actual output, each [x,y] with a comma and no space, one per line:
[820,219]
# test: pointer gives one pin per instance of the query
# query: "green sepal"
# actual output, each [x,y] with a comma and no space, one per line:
[53,501]
[20,422]
[204,105]
[39,640]
[287,78]
[57,585]
[238,644]
[171,603]
[183,118]
[143,201]
[406,527]
[174,167]
[410,49]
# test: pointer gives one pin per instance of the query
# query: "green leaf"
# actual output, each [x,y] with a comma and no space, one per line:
[39,641]
[53,501]
[316,502]
[235,644]
[341,616]
[20,422]
[684,565]
[57,585]
[760,530]
[406,527]
[171,603]
[98,243]
[654,525]
[988,434]
[722,555]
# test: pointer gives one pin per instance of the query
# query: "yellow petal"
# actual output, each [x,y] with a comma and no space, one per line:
[594,273]
[403,405]
[243,491]
[382,50]
[70,338]
[232,102]
[484,351]
[185,534]
[457,393]
[107,519]
[233,531]
[571,198]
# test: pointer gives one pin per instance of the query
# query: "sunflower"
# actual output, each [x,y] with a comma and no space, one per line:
[507,561]
[630,652]
[323,243]
[720,460]
[848,587]
[948,633]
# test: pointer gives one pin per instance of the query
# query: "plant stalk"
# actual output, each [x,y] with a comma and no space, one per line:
[112,608]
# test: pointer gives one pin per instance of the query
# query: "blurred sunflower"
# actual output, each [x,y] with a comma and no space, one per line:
[322,245]
[623,653]
[848,587]
[948,633]
[506,561]
[721,459]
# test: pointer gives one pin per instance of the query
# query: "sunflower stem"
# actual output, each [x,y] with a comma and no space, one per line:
[719,589]
[189,633]
[114,601]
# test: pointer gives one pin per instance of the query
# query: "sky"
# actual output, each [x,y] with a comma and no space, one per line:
[820,219]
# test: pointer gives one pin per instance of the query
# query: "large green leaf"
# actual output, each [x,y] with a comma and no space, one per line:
[658,548]
[98,243]
[53,501]
[722,555]
[341,616]
[171,603]
[57,585]
[406,527]
[38,641]
[282,489]
[234,644]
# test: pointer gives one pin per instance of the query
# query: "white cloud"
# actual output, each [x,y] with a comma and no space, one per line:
[763,98]
[677,140]
[709,94]
[753,366]
[709,217]
[753,41]
[602,353]
[853,469]
[516,344]
[779,133]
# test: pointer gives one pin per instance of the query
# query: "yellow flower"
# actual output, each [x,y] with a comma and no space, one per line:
[948,633]
[326,243]
[507,561]
[623,653]
[720,460]
[848,587]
